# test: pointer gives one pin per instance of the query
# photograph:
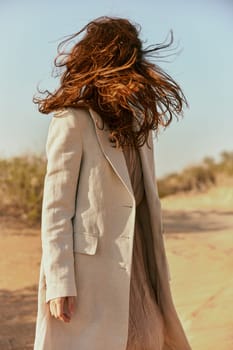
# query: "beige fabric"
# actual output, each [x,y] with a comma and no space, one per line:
[146,330]
[87,232]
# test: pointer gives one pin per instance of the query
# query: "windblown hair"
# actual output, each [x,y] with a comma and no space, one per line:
[109,71]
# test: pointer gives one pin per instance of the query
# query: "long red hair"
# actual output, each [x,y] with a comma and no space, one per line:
[109,71]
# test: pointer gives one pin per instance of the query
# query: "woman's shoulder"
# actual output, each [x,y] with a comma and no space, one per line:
[73,116]
[75,112]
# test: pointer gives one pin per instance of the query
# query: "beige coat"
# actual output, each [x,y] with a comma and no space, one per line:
[88,216]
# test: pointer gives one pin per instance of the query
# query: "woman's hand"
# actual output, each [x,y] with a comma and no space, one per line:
[62,308]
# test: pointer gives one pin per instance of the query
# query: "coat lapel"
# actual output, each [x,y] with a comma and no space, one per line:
[114,156]
[147,162]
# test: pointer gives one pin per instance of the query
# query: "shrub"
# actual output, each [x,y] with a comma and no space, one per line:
[21,186]
[198,177]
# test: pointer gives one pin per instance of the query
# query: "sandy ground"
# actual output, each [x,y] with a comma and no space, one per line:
[199,244]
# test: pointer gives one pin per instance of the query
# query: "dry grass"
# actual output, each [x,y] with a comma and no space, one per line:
[21,187]
[21,183]
[198,178]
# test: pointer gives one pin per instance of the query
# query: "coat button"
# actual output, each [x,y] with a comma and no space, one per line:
[123,265]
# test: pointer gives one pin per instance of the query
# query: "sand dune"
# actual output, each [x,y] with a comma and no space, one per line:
[199,242]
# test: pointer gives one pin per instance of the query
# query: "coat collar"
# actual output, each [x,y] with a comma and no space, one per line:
[114,156]
[117,160]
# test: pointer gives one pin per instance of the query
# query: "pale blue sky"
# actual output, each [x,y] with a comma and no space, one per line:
[31,30]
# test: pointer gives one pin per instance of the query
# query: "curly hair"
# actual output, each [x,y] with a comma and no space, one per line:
[109,71]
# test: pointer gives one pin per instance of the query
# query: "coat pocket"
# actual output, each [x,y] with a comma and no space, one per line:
[85,243]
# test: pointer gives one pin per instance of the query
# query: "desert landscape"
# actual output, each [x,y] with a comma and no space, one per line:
[171,71]
[199,244]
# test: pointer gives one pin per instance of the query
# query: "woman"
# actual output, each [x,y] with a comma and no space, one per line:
[104,277]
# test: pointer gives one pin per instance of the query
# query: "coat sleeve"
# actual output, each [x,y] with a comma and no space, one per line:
[64,153]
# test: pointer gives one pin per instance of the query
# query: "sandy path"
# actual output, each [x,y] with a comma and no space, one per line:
[199,246]
[202,285]
[19,273]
